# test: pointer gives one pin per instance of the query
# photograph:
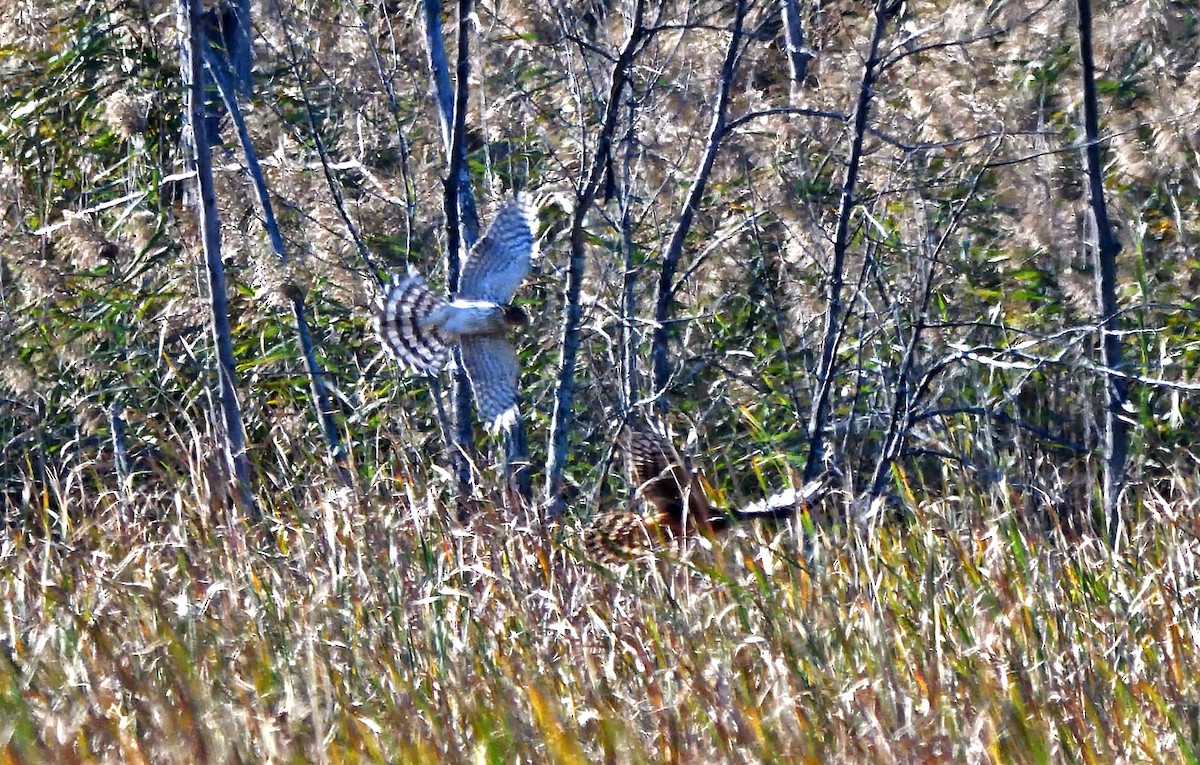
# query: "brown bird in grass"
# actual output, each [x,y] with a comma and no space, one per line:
[680,508]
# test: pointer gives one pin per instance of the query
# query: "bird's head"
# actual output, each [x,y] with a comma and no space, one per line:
[515,316]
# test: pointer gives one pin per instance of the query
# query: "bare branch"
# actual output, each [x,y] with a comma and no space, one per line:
[324,409]
[210,227]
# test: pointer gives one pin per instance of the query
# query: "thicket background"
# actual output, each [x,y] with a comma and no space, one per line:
[143,619]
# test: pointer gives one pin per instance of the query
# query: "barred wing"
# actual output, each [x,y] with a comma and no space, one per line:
[494,369]
[664,481]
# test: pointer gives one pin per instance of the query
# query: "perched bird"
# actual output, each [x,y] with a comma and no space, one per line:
[418,326]
[680,508]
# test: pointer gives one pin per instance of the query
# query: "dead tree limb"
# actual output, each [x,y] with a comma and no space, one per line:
[585,196]
[670,262]
[210,227]
[1105,249]
[836,277]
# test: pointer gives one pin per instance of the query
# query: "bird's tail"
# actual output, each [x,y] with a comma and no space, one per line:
[398,314]
[617,536]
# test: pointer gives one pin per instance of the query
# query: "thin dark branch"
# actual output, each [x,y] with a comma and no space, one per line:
[335,190]
[410,200]
[210,227]
[1105,249]
[996,414]
[452,201]
[295,296]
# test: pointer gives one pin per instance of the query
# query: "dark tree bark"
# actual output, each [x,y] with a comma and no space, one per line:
[836,277]
[798,54]
[666,278]
[226,33]
[444,95]
[1105,249]
[210,227]
[454,183]
[585,196]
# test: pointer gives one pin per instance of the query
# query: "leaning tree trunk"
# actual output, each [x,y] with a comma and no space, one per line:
[666,277]
[210,227]
[316,377]
[1105,248]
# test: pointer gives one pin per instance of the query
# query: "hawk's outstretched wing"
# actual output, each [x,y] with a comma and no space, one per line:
[499,262]
[493,368]
[658,473]
[398,315]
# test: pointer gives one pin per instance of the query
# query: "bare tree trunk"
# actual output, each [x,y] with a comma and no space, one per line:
[1105,250]
[841,242]
[585,196]
[316,377]
[798,54]
[210,227]
[462,231]
[666,278]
